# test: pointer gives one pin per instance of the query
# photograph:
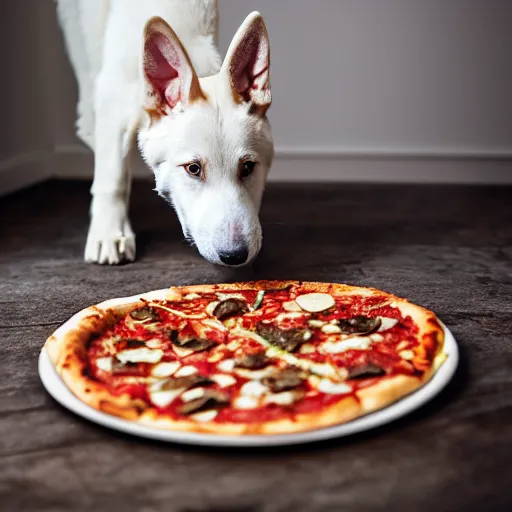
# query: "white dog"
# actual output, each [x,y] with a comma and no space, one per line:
[201,124]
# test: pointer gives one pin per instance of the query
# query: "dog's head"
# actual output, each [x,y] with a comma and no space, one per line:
[208,140]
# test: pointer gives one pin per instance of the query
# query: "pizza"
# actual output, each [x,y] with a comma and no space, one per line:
[257,358]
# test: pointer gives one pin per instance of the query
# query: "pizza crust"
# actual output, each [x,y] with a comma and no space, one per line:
[67,351]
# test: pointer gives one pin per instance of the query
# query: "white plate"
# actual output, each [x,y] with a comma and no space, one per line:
[59,391]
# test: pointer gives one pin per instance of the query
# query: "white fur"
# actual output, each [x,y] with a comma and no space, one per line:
[104,39]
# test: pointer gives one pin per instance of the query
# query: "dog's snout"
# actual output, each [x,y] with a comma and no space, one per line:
[236,257]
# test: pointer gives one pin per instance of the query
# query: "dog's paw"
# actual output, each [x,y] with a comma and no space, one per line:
[110,240]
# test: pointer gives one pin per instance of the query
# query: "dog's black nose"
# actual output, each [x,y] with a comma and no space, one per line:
[236,257]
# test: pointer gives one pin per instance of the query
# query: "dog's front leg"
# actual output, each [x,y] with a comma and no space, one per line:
[110,238]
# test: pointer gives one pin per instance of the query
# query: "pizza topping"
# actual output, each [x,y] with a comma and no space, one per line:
[230,307]
[185,371]
[163,398]
[258,301]
[254,374]
[331,329]
[210,399]
[192,296]
[282,380]
[227,365]
[223,380]
[164,369]
[316,323]
[283,398]
[193,344]
[192,394]
[307,348]
[366,371]
[332,388]
[140,355]
[181,314]
[359,325]
[315,302]
[252,361]
[144,314]
[185,382]
[104,364]
[406,354]
[205,415]
[288,340]
[253,388]
[134,343]
[387,323]
[336,347]
[291,306]
[376,337]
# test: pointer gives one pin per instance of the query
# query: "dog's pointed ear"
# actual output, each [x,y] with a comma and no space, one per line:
[169,77]
[247,63]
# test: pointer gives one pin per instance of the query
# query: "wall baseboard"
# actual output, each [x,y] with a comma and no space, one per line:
[24,170]
[316,166]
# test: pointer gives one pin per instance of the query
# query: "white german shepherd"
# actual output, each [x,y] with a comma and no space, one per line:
[201,124]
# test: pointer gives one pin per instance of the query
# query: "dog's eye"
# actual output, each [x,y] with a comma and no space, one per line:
[246,168]
[193,169]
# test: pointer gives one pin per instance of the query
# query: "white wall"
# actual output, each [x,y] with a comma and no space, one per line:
[380,90]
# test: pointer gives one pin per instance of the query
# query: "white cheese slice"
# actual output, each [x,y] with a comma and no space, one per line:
[154,343]
[165,369]
[316,323]
[254,374]
[185,371]
[211,307]
[140,355]
[192,394]
[386,323]
[227,365]
[223,380]
[182,352]
[376,337]
[333,388]
[204,416]
[283,398]
[407,354]
[192,296]
[253,388]
[336,347]
[315,302]
[245,402]
[291,305]
[104,364]
[282,317]
[331,329]
[163,398]
[307,348]
[214,324]
[226,296]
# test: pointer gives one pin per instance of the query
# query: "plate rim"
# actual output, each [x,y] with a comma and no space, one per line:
[58,390]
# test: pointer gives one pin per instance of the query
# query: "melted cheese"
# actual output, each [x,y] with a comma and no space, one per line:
[332,388]
[140,355]
[253,388]
[211,307]
[254,374]
[192,296]
[291,305]
[336,347]
[386,323]
[162,398]
[185,371]
[406,354]
[104,364]
[245,402]
[214,324]
[204,416]
[331,329]
[307,348]
[192,394]
[376,337]
[154,343]
[227,365]
[317,323]
[165,369]
[182,352]
[283,398]
[224,381]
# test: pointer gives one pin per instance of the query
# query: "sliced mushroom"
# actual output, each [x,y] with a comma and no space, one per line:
[144,314]
[359,325]
[195,344]
[209,400]
[289,339]
[281,380]
[230,307]
[252,361]
[366,371]
[186,382]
